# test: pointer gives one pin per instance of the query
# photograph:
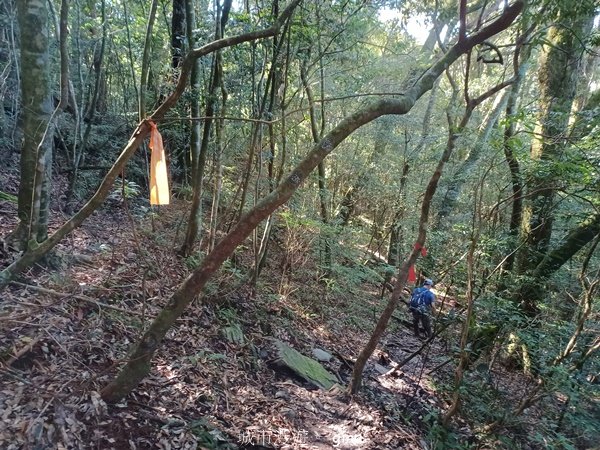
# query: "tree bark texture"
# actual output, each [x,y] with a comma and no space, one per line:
[190,158]
[514,168]
[560,64]
[178,33]
[36,149]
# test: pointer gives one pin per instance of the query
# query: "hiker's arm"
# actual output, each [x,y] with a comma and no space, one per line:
[434,309]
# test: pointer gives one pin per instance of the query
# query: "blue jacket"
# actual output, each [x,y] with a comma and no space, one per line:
[428,297]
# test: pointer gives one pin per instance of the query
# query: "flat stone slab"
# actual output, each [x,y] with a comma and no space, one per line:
[321,355]
[305,367]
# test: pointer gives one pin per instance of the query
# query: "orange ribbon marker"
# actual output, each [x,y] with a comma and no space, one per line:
[159,181]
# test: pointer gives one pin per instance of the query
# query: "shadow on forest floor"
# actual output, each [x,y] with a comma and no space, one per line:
[212,384]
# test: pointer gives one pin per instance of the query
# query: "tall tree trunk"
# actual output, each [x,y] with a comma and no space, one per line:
[146,61]
[9,98]
[509,154]
[179,36]
[36,149]
[275,96]
[181,41]
[317,134]
[195,220]
[560,63]
[217,164]
[92,109]
[190,159]
[259,103]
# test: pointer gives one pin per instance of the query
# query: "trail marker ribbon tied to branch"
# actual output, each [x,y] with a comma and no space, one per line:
[159,180]
[412,275]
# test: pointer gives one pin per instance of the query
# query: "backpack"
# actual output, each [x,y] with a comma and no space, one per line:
[418,300]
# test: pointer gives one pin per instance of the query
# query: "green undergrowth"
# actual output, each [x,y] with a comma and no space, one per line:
[299,300]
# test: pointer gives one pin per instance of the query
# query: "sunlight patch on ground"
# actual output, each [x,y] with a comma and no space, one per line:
[345,437]
[167,371]
[393,383]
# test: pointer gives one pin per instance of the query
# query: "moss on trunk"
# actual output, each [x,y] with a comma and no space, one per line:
[36,150]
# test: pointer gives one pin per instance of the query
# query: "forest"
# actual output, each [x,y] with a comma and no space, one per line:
[299,224]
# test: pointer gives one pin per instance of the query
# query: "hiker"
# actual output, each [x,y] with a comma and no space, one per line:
[421,306]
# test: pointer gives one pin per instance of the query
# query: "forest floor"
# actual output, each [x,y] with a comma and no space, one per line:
[66,329]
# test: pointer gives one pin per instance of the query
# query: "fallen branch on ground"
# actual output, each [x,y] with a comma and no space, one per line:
[83,298]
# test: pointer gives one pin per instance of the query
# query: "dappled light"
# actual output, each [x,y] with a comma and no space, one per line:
[299,225]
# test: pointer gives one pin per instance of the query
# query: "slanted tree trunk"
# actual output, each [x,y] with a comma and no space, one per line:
[36,149]
[395,227]
[531,292]
[138,364]
[571,244]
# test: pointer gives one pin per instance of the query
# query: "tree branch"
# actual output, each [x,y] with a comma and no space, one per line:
[136,139]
